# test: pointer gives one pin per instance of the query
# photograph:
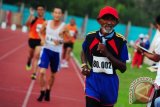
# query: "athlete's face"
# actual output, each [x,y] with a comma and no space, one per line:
[107,23]
[40,11]
[57,14]
[72,22]
[158,26]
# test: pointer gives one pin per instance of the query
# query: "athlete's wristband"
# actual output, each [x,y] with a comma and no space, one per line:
[84,64]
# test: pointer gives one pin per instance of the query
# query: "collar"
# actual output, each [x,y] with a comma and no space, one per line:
[108,36]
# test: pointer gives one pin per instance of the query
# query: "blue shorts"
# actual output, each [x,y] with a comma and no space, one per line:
[102,87]
[49,57]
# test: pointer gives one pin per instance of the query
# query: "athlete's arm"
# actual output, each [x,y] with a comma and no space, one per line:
[83,58]
[153,56]
[43,32]
[115,62]
[85,68]
[63,32]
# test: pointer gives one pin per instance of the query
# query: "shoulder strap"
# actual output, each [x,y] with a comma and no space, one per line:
[33,21]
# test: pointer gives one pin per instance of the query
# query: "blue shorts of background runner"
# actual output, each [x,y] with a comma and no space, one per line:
[102,87]
[49,57]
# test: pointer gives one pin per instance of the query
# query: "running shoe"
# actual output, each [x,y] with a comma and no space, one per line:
[28,68]
[64,65]
[47,95]
[42,95]
[33,76]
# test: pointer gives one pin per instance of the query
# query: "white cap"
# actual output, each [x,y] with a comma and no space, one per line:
[141,35]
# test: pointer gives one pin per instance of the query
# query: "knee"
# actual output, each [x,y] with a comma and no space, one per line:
[52,76]
[42,71]
[36,56]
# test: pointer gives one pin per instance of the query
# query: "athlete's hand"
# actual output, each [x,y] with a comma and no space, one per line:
[156,86]
[31,10]
[56,42]
[42,42]
[102,49]
[85,70]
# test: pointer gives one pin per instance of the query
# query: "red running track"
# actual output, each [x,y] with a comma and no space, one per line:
[16,87]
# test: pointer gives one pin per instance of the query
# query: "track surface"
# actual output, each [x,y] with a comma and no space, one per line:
[16,87]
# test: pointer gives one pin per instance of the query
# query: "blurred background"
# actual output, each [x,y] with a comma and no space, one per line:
[136,16]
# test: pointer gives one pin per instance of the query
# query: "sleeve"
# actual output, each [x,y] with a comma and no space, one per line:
[33,21]
[84,46]
[124,53]
[157,50]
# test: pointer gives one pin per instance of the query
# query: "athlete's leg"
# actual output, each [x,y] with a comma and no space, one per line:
[90,102]
[42,79]
[35,63]
[31,52]
[63,63]
[64,53]
[108,106]
[50,85]
[54,64]
[51,80]
[68,52]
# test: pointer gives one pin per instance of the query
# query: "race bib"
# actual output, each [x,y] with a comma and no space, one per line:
[38,27]
[50,39]
[71,32]
[102,64]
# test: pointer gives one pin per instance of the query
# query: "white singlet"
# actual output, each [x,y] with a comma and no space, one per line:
[51,35]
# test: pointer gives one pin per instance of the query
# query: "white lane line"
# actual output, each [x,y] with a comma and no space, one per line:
[78,73]
[35,93]
[26,99]
[12,51]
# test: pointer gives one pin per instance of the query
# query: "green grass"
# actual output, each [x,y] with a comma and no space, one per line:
[125,78]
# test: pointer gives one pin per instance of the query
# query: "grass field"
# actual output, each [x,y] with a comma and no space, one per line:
[125,78]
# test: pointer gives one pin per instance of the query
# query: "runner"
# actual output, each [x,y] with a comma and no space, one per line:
[34,24]
[105,51]
[35,62]
[69,42]
[51,52]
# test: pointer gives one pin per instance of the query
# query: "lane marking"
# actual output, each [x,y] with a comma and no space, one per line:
[78,73]
[12,51]
[26,99]
[35,93]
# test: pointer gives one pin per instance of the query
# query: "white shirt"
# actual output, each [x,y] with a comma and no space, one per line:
[51,35]
[157,51]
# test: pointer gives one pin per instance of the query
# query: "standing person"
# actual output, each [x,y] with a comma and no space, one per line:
[105,51]
[51,52]
[69,40]
[138,56]
[155,56]
[34,24]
